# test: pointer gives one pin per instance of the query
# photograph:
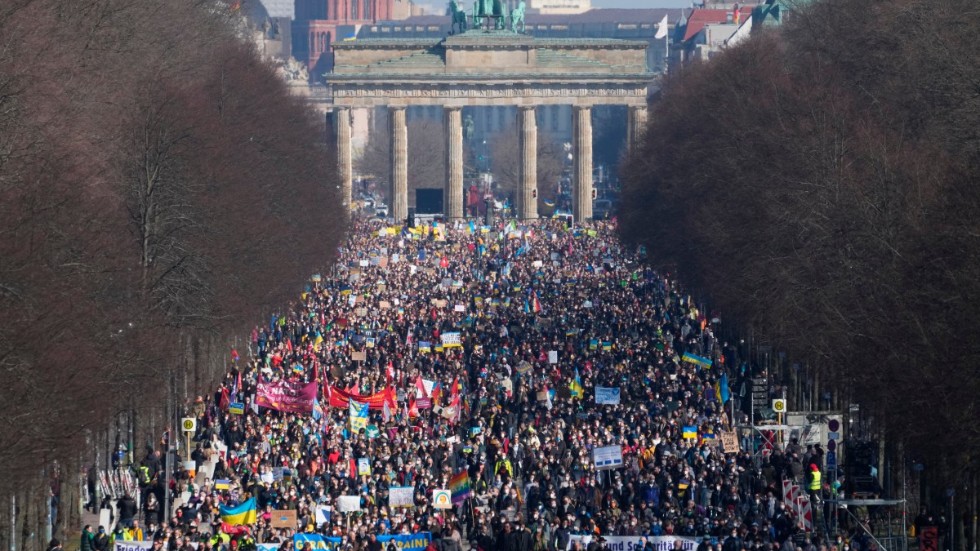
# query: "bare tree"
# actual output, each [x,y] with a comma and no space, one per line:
[160,188]
[816,212]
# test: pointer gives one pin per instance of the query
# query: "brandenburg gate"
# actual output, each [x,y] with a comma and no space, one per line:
[488,68]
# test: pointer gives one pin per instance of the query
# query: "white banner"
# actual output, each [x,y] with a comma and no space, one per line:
[401,496]
[631,543]
[450,340]
[133,545]
[138,545]
[346,504]
[608,457]
[607,395]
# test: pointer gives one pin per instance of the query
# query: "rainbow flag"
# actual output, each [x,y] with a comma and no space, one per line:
[459,485]
[244,513]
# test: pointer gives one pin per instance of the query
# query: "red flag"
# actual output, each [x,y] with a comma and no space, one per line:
[225,400]
[339,398]
[231,530]
[289,345]
[413,410]
[437,394]
[421,386]
[457,411]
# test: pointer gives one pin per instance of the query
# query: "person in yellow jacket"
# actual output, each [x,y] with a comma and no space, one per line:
[814,483]
[133,534]
[504,468]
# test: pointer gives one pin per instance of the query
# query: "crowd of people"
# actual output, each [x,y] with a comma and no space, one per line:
[537,316]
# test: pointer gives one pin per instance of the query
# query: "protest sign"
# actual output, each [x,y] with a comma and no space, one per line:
[607,395]
[729,442]
[607,457]
[401,496]
[442,499]
[346,504]
[283,518]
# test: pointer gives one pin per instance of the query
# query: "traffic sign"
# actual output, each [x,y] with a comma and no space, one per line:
[779,405]
[189,424]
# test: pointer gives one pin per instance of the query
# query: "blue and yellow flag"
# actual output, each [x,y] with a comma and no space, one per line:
[695,359]
[689,432]
[241,514]
[576,386]
[721,389]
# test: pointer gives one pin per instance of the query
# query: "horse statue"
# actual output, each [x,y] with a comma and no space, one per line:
[458,18]
[484,10]
[517,17]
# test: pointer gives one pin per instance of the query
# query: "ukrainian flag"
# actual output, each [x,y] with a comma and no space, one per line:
[240,514]
[721,389]
[689,432]
[576,386]
[695,359]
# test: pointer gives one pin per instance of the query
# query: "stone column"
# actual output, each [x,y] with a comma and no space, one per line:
[454,162]
[344,163]
[527,203]
[636,126]
[399,164]
[582,152]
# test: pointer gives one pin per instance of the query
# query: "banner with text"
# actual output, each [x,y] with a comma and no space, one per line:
[404,542]
[287,396]
[635,543]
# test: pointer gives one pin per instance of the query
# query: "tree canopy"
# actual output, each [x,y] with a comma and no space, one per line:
[819,182]
[158,186]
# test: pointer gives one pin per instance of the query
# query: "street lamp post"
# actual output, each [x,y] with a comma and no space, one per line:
[488,214]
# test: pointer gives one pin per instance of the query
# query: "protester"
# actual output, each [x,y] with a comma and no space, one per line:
[478,353]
